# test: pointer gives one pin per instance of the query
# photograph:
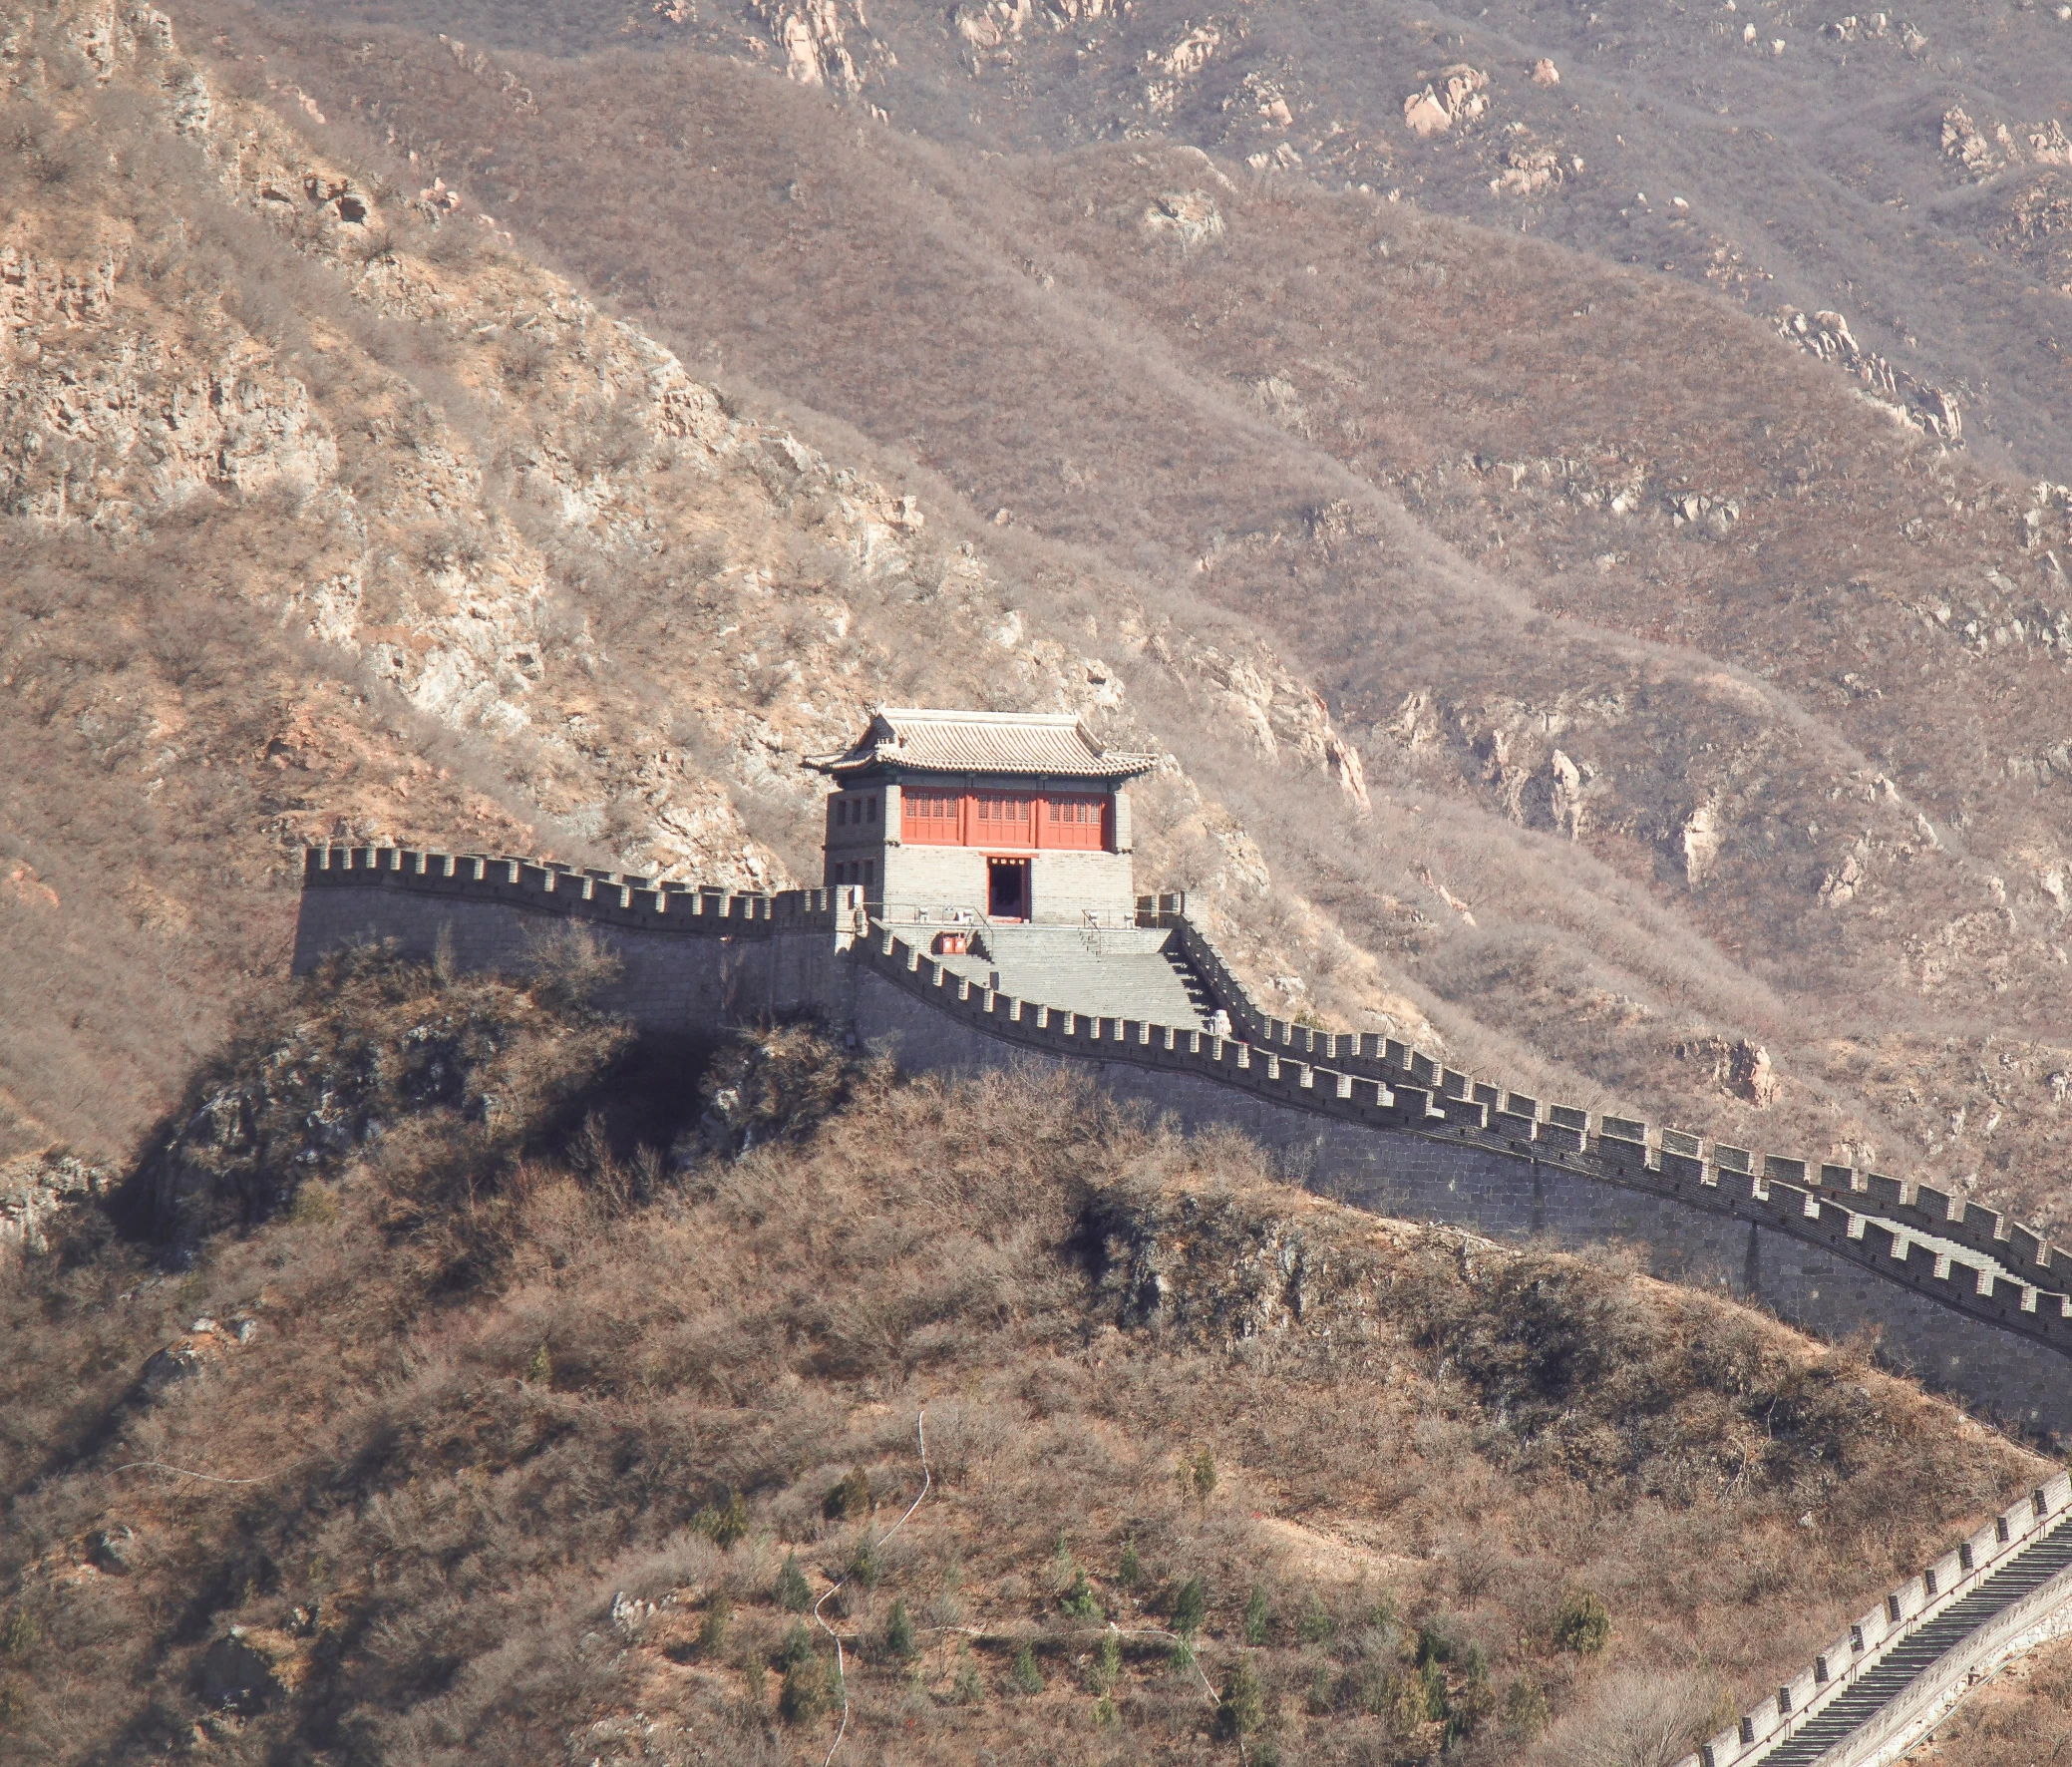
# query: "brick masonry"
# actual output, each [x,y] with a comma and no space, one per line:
[1363,1119]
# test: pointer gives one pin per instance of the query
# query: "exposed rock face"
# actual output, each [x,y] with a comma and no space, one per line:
[1567,797]
[1701,834]
[250,1669]
[1750,1075]
[1191,216]
[1529,170]
[1277,713]
[1456,96]
[812,37]
[1839,887]
[1982,154]
[185,1359]
[113,1550]
[1916,403]
[34,1191]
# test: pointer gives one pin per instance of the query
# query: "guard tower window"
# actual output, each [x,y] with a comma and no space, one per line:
[1074,821]
[870,808]
[841,811]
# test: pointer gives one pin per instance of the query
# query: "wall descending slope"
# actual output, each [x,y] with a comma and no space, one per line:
[1971,1303]
[1878,1685]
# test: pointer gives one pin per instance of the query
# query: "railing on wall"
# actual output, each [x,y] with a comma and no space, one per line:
[1898,1617]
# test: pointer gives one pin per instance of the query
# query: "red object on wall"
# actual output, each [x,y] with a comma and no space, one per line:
[933,816]
[950,944]
[1079,822]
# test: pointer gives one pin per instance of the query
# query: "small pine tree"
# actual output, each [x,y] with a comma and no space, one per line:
[1525,1708]
[1105,1715]
[1582,1623]
[1316,1626]
[1179,1660]
[849,1499]
[729,1524]
[1025,1675]
[1204,1476]
[1080,1600]
[754,1690]
[1129,1572]
[712,1636]
[796,1646]
[864,1564]
[1243,1706]
[1259,1618]
[22,1633]
[1190,1608]
[1105,1665]
[539,1372]
[794,1593]
[970,1687]
[806,1695]
[898,1635]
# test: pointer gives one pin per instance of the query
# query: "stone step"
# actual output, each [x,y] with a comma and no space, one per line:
[2050,1553]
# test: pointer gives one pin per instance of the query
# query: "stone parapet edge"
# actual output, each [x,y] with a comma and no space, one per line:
[1408,1091]
[609,898]
[2019,1250]
[1900,1612]
[1403,1107]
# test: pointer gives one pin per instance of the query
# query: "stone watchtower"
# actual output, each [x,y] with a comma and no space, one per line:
[1016,815]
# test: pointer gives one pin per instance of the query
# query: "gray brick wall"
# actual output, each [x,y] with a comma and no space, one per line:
[1383,1126]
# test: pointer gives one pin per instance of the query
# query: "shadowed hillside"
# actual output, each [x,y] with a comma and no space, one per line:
[518,1410]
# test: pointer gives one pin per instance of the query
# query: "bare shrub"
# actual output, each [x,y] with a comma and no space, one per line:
[1631,1719]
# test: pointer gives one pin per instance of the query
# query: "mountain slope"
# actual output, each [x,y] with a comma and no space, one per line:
[537,1441]
[1567,551]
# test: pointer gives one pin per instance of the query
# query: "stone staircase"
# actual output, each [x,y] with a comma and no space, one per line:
[1136,972]
[1903,1689]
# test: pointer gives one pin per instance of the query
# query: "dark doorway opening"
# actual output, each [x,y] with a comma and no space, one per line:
[1007,888]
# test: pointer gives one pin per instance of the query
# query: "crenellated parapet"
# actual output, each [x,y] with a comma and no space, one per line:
[1961,1255]
[609,898]
[1866,1220]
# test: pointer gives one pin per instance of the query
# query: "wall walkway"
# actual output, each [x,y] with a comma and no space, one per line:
[1965,1300]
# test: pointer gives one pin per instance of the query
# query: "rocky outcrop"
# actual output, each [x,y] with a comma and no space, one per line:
[1454,96]
[1931,410]
[1701,839]
[1982,154]
[36,1190]
[1191,216]
[813,38]
[1278,715]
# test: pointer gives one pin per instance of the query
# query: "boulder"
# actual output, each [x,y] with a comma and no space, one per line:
[113,1550]
[239,1672]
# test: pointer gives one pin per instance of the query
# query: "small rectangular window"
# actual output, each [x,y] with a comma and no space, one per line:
[870,871]
[871,809]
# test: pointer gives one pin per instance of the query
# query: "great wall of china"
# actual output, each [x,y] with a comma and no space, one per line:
[1957,1295]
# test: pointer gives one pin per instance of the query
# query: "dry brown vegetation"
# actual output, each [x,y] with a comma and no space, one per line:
[2021,1718]
[1812,798]
[532,1426]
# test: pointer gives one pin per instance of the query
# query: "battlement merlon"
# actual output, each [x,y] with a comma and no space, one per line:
[607,899]
[2029,1296]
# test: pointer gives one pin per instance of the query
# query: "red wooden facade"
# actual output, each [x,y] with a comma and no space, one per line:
[1034,820]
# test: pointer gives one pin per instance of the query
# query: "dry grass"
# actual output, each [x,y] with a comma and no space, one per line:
[1009,335]
[490,1388]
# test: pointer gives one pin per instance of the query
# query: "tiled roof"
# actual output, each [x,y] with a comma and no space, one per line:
[1056,744]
